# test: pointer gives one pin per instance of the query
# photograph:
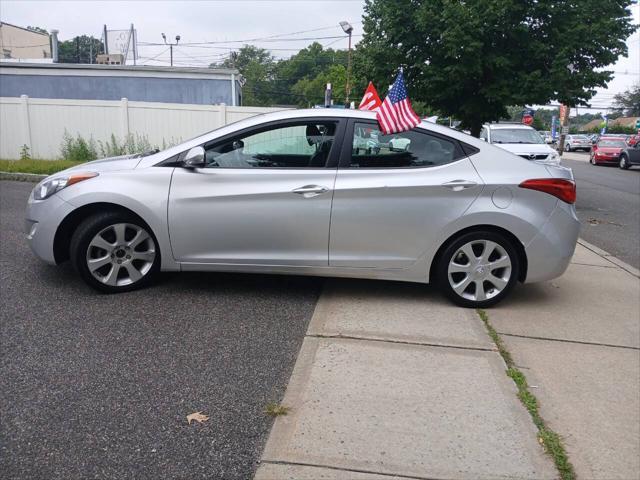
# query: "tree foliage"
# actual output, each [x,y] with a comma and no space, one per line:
[628,103]
[298,80]
[81,49]
[257,66]
[473,58]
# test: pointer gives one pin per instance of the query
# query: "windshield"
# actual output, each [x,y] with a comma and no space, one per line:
[515,135]
[612,143]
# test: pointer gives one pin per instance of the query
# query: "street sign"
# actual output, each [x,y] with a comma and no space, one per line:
[565,130]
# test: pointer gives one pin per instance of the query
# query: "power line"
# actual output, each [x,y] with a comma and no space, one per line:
[153,58]
[270,37]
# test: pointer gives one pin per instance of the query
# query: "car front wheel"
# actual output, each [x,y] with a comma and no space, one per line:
[624,163]
[114,252]
[567,148]
[478,269]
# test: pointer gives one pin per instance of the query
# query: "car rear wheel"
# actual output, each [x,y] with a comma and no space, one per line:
[478,269]
[114,252]
[624,162]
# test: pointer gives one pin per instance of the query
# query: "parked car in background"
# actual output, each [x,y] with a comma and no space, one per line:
[607,150]
[520,139]
[577,142]
[633,140]
[547,137]
[399,143]
[291,192]
[630,156]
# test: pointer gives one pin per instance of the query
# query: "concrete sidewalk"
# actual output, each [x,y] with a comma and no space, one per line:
[394,382]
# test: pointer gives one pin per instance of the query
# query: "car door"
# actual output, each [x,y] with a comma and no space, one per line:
[390,205]
[264,197]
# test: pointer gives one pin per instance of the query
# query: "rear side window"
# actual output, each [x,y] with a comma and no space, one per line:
[415,148]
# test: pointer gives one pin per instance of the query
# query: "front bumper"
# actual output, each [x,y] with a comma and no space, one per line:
[43,218]
[551,250]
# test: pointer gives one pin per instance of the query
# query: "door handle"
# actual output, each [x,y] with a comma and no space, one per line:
[309,191]
[459,185]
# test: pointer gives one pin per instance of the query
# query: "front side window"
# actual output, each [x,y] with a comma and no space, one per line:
[306,145]
[415,148]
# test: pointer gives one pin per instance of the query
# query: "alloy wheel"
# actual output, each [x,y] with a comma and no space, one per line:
[120,254]
[479,270]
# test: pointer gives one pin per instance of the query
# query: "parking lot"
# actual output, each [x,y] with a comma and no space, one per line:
[97,386]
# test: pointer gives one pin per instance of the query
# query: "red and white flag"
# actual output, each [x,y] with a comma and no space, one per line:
[395,114]
[371,100]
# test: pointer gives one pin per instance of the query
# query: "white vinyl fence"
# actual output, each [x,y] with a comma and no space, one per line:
[41,123]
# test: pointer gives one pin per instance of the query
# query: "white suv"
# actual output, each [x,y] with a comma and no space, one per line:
[520,139]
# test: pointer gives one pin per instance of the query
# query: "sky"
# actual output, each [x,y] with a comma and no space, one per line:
[230,21]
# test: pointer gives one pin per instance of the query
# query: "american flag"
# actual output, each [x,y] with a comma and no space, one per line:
[395,114]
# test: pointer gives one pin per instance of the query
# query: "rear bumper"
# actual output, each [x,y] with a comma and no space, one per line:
[551,250]
[599,159]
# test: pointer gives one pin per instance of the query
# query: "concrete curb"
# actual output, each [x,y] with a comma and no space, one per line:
[610,258]
[22,177]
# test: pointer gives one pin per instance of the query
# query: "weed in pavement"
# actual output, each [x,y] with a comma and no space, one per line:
[547,437]
[275,409]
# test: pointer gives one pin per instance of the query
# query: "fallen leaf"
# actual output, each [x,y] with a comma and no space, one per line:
[197,417]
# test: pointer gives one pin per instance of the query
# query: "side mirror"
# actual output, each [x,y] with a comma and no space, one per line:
[194,158]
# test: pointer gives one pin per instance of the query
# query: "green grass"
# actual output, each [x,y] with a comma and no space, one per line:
[547,437]
[45,167]
[274,409]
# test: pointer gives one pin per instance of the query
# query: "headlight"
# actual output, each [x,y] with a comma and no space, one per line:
[50,186]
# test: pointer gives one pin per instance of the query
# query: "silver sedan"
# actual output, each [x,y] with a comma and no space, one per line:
[292,193]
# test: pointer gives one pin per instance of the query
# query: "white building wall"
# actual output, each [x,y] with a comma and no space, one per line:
[41,123]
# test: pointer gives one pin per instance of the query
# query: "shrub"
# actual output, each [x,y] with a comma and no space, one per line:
[77,149]
[24,153]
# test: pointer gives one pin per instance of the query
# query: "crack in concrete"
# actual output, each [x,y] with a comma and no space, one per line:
[564,340]
[352,470]
[401,342]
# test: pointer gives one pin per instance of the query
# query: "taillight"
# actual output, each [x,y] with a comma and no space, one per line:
[561,188]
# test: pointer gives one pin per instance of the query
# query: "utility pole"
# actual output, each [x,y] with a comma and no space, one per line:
[348,29]
[171,45]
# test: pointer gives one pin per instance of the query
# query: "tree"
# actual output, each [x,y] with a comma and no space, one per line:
[256,66]
[311,91]
[471,59]
[628,103]
[81,49]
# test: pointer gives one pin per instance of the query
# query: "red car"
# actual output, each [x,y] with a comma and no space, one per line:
[607,150]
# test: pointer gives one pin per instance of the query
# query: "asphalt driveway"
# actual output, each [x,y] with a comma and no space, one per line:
[98,386]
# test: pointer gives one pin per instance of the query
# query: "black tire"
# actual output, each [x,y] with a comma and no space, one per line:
[442,274]
[624,162]
[592,160]
[86,232]
[567,148]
